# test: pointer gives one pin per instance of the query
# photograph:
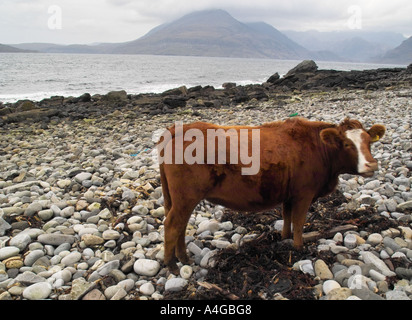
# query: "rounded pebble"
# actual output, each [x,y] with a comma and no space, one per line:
[37,291]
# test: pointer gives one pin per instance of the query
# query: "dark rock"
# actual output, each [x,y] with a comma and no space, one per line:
[146,100]
[404,273]
[25,105]
[85,97]
[229,85]
[207,90]
[115,98]
[209,104]
[31,115]
[175,92]
[194,89]
[306,66]
[55,101]
[175,101]
[4,111]
[274,78]
[257,92]
[240,96]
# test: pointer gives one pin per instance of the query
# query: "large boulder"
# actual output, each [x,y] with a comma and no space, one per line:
[274,78]
[115,98]
[306,66]
[25,105]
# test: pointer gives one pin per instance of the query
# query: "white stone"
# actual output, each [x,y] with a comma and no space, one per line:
[33,208]
[369,257]
[147,289]
[186,272]
[305,266]
[159,212]
[374,239]
[210,225]
[175,284]
[67,212]
[83,231]
[71,258]
[65,275]
[330,285]
[33,256]
[146,267]
[338,237]
[8,252]
[37,291]
[140,209]
[20,241]
[279,225]
[110,235]
[396,295]
[220,244]
[82,176]
[350,241]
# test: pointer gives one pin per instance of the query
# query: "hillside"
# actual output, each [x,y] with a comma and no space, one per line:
[7,48]
[401,54]
[215,33]
[354,45]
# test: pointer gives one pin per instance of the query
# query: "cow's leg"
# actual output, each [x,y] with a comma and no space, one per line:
[287,220]
[171,236]
[299,211]
[175,229]
[181,253]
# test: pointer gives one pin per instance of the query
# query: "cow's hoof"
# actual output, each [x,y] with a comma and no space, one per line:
[186,260]
[173,268]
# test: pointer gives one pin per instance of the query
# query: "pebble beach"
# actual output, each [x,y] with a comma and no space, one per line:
[81,205]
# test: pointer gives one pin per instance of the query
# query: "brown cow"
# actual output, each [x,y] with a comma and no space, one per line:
[299,161]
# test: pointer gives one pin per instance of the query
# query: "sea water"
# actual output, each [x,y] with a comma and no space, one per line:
[36,76]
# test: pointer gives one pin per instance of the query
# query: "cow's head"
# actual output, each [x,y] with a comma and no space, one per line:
[352,144]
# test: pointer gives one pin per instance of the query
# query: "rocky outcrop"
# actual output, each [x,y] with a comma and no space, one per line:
[304,77]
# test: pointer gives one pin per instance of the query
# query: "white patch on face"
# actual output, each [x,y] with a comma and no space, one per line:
[355,136]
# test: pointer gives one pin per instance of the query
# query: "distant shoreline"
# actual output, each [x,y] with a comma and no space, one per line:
[64,79]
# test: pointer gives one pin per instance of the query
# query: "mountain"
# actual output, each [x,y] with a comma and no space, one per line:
[401,54]
[7,48]
[215,33]
[353,45]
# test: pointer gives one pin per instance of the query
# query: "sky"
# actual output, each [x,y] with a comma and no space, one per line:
[94,21]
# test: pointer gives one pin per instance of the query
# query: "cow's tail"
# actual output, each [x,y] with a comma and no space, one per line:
[163,177]
[165,190]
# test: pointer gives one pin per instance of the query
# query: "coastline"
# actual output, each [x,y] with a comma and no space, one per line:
[303,78]
[81,203]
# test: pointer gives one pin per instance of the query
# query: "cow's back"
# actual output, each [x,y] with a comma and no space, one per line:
[287,162]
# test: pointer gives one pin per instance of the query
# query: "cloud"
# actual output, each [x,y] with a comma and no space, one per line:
[125,20]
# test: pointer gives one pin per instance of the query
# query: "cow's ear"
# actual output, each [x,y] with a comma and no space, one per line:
[331,137]
[376,132]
